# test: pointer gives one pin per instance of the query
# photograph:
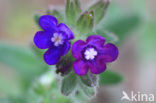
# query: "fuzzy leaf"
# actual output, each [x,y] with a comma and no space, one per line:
[72,11]
[22,60]
[89,91]
[99,9]
[68,84]
[86,22]
[109,78]
[122,26]
[89,80]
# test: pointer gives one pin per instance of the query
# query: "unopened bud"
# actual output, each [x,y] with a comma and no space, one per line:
[100,9]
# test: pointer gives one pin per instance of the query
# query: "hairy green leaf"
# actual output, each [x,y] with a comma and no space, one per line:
[72,11]
[89,80]
[68,84]
[109,78]
[22,60]
[89,91]
[123,25]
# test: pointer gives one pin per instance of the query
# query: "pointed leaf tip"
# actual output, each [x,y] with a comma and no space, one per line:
[68,84]
[88,91]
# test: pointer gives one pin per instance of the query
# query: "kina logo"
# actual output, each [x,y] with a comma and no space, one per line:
[142,97]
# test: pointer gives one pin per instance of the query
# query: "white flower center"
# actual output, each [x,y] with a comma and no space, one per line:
[90,54]
[57,39]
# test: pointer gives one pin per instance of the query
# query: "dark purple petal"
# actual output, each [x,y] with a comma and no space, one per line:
[80,67]
[64,48]
[64,28]
[96,40]
[42,39]
[77,49]
[98,66]
[52,56]
[110,52]
[48,23]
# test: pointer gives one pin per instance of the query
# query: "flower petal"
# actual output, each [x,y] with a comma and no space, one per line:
[42,39]
[64,28]
[65,48]
[96,40]
[80,67]
[52,56]
[110,52]
[48,23]
[77,49]
[98,66]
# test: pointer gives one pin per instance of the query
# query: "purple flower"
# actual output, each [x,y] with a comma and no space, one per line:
[54,37]
[93,55]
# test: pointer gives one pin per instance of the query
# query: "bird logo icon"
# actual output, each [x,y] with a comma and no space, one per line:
[125,96]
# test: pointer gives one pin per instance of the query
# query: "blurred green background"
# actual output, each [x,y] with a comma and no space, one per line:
[134,23]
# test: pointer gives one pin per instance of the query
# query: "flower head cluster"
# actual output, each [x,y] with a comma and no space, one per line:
[93,55]
[54,37]
[87,57]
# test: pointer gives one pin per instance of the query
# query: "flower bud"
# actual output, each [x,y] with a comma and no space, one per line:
[100,9]
[64,66]
[85,22]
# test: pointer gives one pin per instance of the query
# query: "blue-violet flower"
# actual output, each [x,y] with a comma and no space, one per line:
[93,55]
[54,37]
